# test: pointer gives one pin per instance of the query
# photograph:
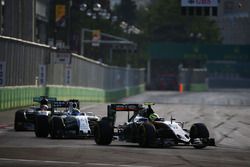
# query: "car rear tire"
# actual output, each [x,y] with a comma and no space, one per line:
[199,131]
[147,134]
[41,126]
[19,120]
[103,132]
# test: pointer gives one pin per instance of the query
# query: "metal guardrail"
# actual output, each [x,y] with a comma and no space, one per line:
[26,63]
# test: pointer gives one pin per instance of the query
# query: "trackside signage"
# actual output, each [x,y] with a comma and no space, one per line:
[61,57]
[68,75]
[199,3]
[42,74]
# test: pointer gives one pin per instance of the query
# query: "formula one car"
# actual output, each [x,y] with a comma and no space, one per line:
[158,133]
[66,123]
[25,118]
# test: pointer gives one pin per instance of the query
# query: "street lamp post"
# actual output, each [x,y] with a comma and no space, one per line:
[196,37]
[69,23]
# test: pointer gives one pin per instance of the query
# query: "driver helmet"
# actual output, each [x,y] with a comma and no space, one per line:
[74,105]
[44,107]
[153,116]
[143,112]
[75,112]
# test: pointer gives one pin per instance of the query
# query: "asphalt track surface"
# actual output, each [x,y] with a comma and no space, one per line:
[226,113]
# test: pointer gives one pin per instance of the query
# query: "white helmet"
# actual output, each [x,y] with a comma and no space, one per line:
[44,107]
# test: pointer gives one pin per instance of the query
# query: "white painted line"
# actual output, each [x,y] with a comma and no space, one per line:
[133,166]
[99,164]
[102,164]
[40,161]
[65,162]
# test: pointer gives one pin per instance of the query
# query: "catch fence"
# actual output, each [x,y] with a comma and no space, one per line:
[28,64]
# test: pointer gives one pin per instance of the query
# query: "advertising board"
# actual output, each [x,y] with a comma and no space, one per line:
[199,3]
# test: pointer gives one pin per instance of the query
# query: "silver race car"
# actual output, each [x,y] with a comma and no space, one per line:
[148,133]
[66,123]
[25,118]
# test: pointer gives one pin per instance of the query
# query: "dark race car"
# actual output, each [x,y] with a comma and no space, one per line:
[68,122]
[158,133]
[25,118]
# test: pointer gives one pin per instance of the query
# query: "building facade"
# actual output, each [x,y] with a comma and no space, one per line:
[19,19]
[234,21]
[25,19]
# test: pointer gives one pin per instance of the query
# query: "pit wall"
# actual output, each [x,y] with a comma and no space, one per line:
[15,97]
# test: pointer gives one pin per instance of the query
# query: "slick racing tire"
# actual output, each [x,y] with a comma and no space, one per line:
[56,128]
[199,131]
[19,120]
[103,132]
[147,134]
[131,133]
[41,126]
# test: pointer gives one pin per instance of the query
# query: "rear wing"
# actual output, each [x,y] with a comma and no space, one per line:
[113,108]
[126,107]
[38,99]
[64,104]
[59,104]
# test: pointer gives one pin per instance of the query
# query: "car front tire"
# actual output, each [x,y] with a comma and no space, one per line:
[41,126]
[199,132]
[103,132]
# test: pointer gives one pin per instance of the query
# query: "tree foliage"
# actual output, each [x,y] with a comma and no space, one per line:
[162,21]
[126,11]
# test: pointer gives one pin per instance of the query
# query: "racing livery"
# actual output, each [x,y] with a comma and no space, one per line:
[25,118]
[157,133]
[66,123]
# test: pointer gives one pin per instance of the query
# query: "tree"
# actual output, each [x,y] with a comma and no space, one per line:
[126,11]
[162,21]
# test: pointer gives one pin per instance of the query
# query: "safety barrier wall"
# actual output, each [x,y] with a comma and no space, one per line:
[81,93]
[13,97]
[31,69]
[89,73]
[29,63]
[114,95]
[22,60]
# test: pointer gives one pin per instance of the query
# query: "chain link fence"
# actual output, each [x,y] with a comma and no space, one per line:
[24,63]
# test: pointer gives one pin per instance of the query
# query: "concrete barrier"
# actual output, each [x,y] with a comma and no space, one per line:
[14,97]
